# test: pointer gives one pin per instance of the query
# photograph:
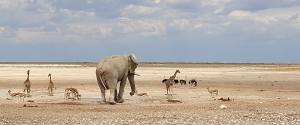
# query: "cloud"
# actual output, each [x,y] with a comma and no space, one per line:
[274,22]
[141,27]
[143,18]
[138,10]
[23,35]
[160,22]
[180,24]
[2,29]
[156,1]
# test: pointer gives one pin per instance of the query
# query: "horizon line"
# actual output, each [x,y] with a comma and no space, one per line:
[60,62]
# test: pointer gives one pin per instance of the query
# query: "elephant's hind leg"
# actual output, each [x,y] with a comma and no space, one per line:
[102,89]
[112,97]
[103,94]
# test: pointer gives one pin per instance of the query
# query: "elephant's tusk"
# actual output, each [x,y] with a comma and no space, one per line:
[137,74]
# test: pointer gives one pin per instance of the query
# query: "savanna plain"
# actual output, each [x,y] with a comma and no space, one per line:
[251,93]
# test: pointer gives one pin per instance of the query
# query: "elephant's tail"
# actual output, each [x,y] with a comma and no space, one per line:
[99,79]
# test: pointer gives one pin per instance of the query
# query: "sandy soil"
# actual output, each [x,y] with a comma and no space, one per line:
[258,95]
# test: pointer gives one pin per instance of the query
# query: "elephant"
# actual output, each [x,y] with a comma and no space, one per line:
[115,69]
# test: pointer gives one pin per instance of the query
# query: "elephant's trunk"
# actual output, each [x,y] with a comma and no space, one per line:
[132,84]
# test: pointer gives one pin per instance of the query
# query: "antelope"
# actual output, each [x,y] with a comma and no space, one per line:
[141,94]
[20,95]
[214,91]
[74,91]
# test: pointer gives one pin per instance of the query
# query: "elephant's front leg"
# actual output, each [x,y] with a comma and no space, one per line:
[121,90]
[116,95]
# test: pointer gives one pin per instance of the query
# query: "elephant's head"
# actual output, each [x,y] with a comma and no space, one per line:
[132,61]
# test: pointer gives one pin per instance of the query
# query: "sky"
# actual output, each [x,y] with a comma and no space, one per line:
[226,31]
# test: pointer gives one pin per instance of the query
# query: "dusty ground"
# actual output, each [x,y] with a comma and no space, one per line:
[259,95]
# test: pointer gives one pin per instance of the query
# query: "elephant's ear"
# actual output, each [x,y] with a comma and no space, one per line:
[132,61]
[133,58]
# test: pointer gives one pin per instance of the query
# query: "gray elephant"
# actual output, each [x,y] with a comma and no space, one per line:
[112,70]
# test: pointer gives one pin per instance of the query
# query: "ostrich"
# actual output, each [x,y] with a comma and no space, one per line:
[193,82]
[176,81]
[164,80]
[183,82]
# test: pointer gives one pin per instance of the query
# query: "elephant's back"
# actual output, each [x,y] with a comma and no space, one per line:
[112,62]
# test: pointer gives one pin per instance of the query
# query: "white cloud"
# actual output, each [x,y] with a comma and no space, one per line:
[105,31]
[15,4]
[271,24]
[156,1]
[176,1]
[198,26]
[2,29]
[256,18]
[209,28]
[153,29]
[214,3]
[266,17]
[142,28]
[86,19]
[138,10]
[219,10]
[240,14]
[23,36]
[182,24]
[76,15]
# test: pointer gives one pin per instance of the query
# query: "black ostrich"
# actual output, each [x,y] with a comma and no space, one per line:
[193,82]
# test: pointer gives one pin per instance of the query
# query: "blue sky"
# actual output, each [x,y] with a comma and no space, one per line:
[230,31]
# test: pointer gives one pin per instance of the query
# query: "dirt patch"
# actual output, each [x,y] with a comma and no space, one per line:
[174,101]
[68,103]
